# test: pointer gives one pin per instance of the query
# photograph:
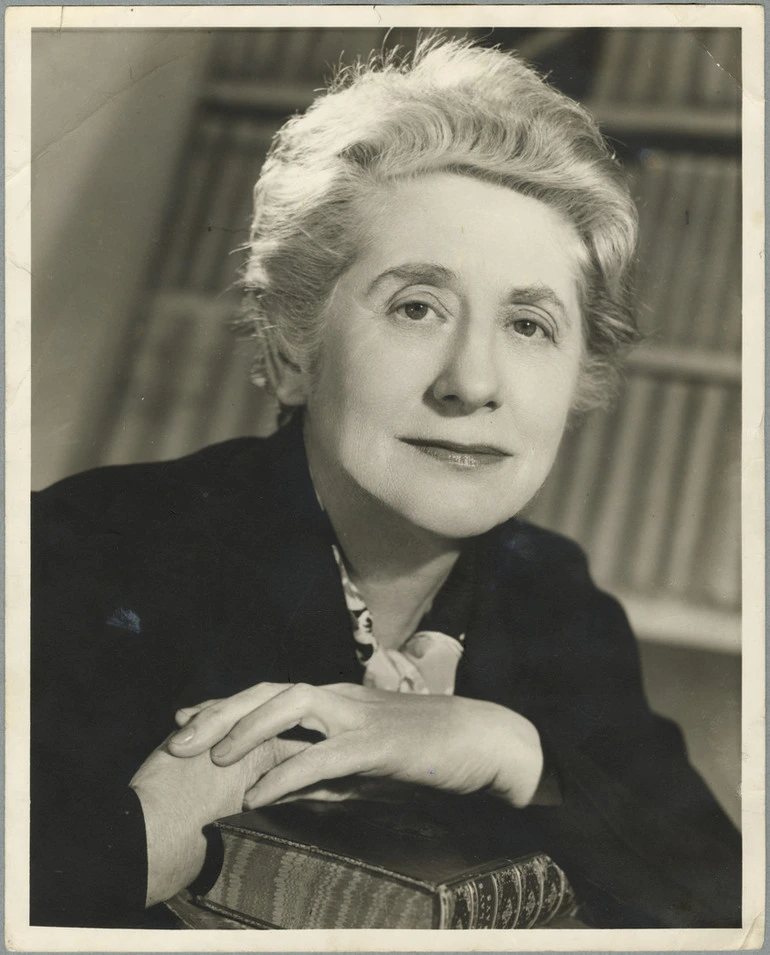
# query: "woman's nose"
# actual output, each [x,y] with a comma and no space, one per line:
[470,376]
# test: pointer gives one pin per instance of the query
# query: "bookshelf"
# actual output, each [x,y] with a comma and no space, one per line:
[650,488]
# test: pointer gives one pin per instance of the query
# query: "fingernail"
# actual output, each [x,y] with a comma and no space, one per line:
[185,735]
[252,801]
[221,749]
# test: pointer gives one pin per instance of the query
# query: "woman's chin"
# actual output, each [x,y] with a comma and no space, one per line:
[458,520]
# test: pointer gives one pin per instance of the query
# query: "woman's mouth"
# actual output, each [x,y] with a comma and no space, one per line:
[460,455]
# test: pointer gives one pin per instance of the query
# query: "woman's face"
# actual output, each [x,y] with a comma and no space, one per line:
[450,355]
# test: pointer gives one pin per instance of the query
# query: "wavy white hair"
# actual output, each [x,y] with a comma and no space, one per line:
[451,106]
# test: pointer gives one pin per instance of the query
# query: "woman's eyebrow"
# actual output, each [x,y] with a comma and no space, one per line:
[432,273]
[537,294]
[428,272]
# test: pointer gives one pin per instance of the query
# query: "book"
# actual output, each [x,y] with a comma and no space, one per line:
[615,52]
[697,506]
[617,511]
[362,864]
[678,67]
[658,500]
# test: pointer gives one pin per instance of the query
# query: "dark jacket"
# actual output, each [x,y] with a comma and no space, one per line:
[161,585]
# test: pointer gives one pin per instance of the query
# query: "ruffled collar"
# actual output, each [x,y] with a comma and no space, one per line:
[426,662]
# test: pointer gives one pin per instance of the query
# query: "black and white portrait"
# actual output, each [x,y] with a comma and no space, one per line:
[386,468]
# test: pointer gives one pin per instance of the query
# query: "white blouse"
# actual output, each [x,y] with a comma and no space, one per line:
[426,662]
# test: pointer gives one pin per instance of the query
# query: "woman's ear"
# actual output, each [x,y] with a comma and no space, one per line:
[288,382]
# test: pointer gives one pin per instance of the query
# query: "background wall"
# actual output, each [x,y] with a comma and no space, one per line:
[146,146]
[110,112]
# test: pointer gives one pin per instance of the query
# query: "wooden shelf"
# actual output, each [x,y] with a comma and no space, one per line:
[683,362]
[678,623]
[257,96]
[280,99]
[680,121]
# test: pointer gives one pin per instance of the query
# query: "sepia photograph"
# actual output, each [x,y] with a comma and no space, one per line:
[386,560]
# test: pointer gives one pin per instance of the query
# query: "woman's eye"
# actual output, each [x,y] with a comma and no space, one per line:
[529,328]
[414,310]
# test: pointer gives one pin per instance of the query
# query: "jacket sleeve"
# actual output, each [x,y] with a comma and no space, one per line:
[93,722]
[640,834]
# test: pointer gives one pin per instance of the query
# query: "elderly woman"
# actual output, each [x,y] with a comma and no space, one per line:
[437,280]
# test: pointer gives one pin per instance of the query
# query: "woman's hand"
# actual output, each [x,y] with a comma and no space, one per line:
[181,796]
[447,742]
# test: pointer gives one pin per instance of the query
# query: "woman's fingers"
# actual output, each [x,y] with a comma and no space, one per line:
[347,788]
[314,708]
[444,742]
[183,715]
[211,724]
[330,759]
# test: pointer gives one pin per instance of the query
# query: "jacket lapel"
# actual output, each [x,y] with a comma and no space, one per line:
[311,628]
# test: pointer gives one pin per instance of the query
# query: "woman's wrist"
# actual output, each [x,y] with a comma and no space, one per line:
[179,797]
[176,846]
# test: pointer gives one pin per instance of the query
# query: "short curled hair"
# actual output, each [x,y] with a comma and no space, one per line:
[452,106]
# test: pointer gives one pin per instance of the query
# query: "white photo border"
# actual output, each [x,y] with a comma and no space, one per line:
[20,21]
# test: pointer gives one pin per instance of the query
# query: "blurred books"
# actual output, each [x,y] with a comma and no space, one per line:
[651,489]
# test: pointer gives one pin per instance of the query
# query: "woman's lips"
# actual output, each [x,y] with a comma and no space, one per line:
[460,455]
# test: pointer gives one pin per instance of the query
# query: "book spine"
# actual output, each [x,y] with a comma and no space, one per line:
[719,311]
[656,502]
[678,67]
[661,270]
[697,241]
[641,72]
[546,507]
[717,86]
[586,477]
[197,176]
[526,894]
[706,435]
[616,512]
[615,47]
[196,392]
[661,64]
[251,142]
[721,564]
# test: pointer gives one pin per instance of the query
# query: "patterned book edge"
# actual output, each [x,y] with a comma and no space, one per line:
[273,883]
[284,842]
[526,894]
[190,915]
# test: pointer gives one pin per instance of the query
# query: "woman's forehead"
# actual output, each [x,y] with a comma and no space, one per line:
[449,228]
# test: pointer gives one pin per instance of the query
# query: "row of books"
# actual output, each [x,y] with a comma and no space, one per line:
[295,55]
[211,221]
[666,66]
[689,277]
[652,491]
[689,280]
[189,383]
[671,67]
